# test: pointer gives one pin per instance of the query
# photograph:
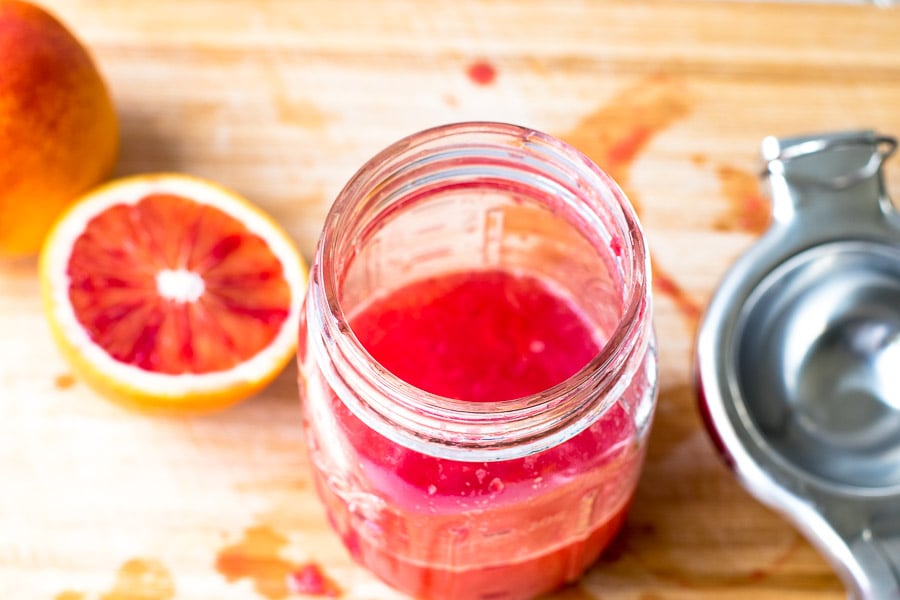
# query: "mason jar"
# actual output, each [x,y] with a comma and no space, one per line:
[477,362]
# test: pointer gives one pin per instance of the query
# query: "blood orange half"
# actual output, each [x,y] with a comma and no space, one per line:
[171,292]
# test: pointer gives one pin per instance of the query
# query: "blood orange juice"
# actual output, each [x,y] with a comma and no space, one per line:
[477,370]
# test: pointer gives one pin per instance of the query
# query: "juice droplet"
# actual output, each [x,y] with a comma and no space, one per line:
[64,381]
[432,490]
[496,486]
[309,579]
[481,72]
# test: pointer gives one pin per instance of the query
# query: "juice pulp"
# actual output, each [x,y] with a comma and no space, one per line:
[505,529]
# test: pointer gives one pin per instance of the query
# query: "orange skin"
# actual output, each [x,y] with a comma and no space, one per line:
[59,134]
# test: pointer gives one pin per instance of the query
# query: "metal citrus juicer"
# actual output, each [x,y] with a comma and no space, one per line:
[798,356]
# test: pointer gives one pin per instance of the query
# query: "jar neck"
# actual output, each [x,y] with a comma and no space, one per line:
[504,157]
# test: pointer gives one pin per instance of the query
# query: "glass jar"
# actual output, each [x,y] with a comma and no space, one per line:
[505,497]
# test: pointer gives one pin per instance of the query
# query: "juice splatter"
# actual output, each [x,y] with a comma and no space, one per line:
[310,580]
[614,135]
[64,381]
[748,211]
[136,579]
[256,557]
[481,72]
[140,579]
[689,308]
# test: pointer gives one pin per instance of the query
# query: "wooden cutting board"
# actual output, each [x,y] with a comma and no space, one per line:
[283,101]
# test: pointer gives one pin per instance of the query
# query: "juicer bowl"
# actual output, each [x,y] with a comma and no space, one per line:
[816,363]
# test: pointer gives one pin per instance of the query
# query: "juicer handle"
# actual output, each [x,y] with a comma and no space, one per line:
[833,181]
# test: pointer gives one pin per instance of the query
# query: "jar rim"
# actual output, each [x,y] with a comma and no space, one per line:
[530,423]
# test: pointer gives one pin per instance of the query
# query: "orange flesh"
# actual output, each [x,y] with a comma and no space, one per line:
[116,297]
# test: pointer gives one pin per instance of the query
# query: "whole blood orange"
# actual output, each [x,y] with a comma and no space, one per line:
[170,292]
[58,128]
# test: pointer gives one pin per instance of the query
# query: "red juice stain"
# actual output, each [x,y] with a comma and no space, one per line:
[614,135]
[689,309]
[625,149]
[64,381]
[310,580]
[481,72]
[748,211]
[257,557]
[687,306]
[140,579]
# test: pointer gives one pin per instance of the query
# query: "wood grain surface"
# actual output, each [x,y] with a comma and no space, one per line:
[283,101]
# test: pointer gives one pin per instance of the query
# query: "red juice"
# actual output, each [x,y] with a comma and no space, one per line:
[437,527]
